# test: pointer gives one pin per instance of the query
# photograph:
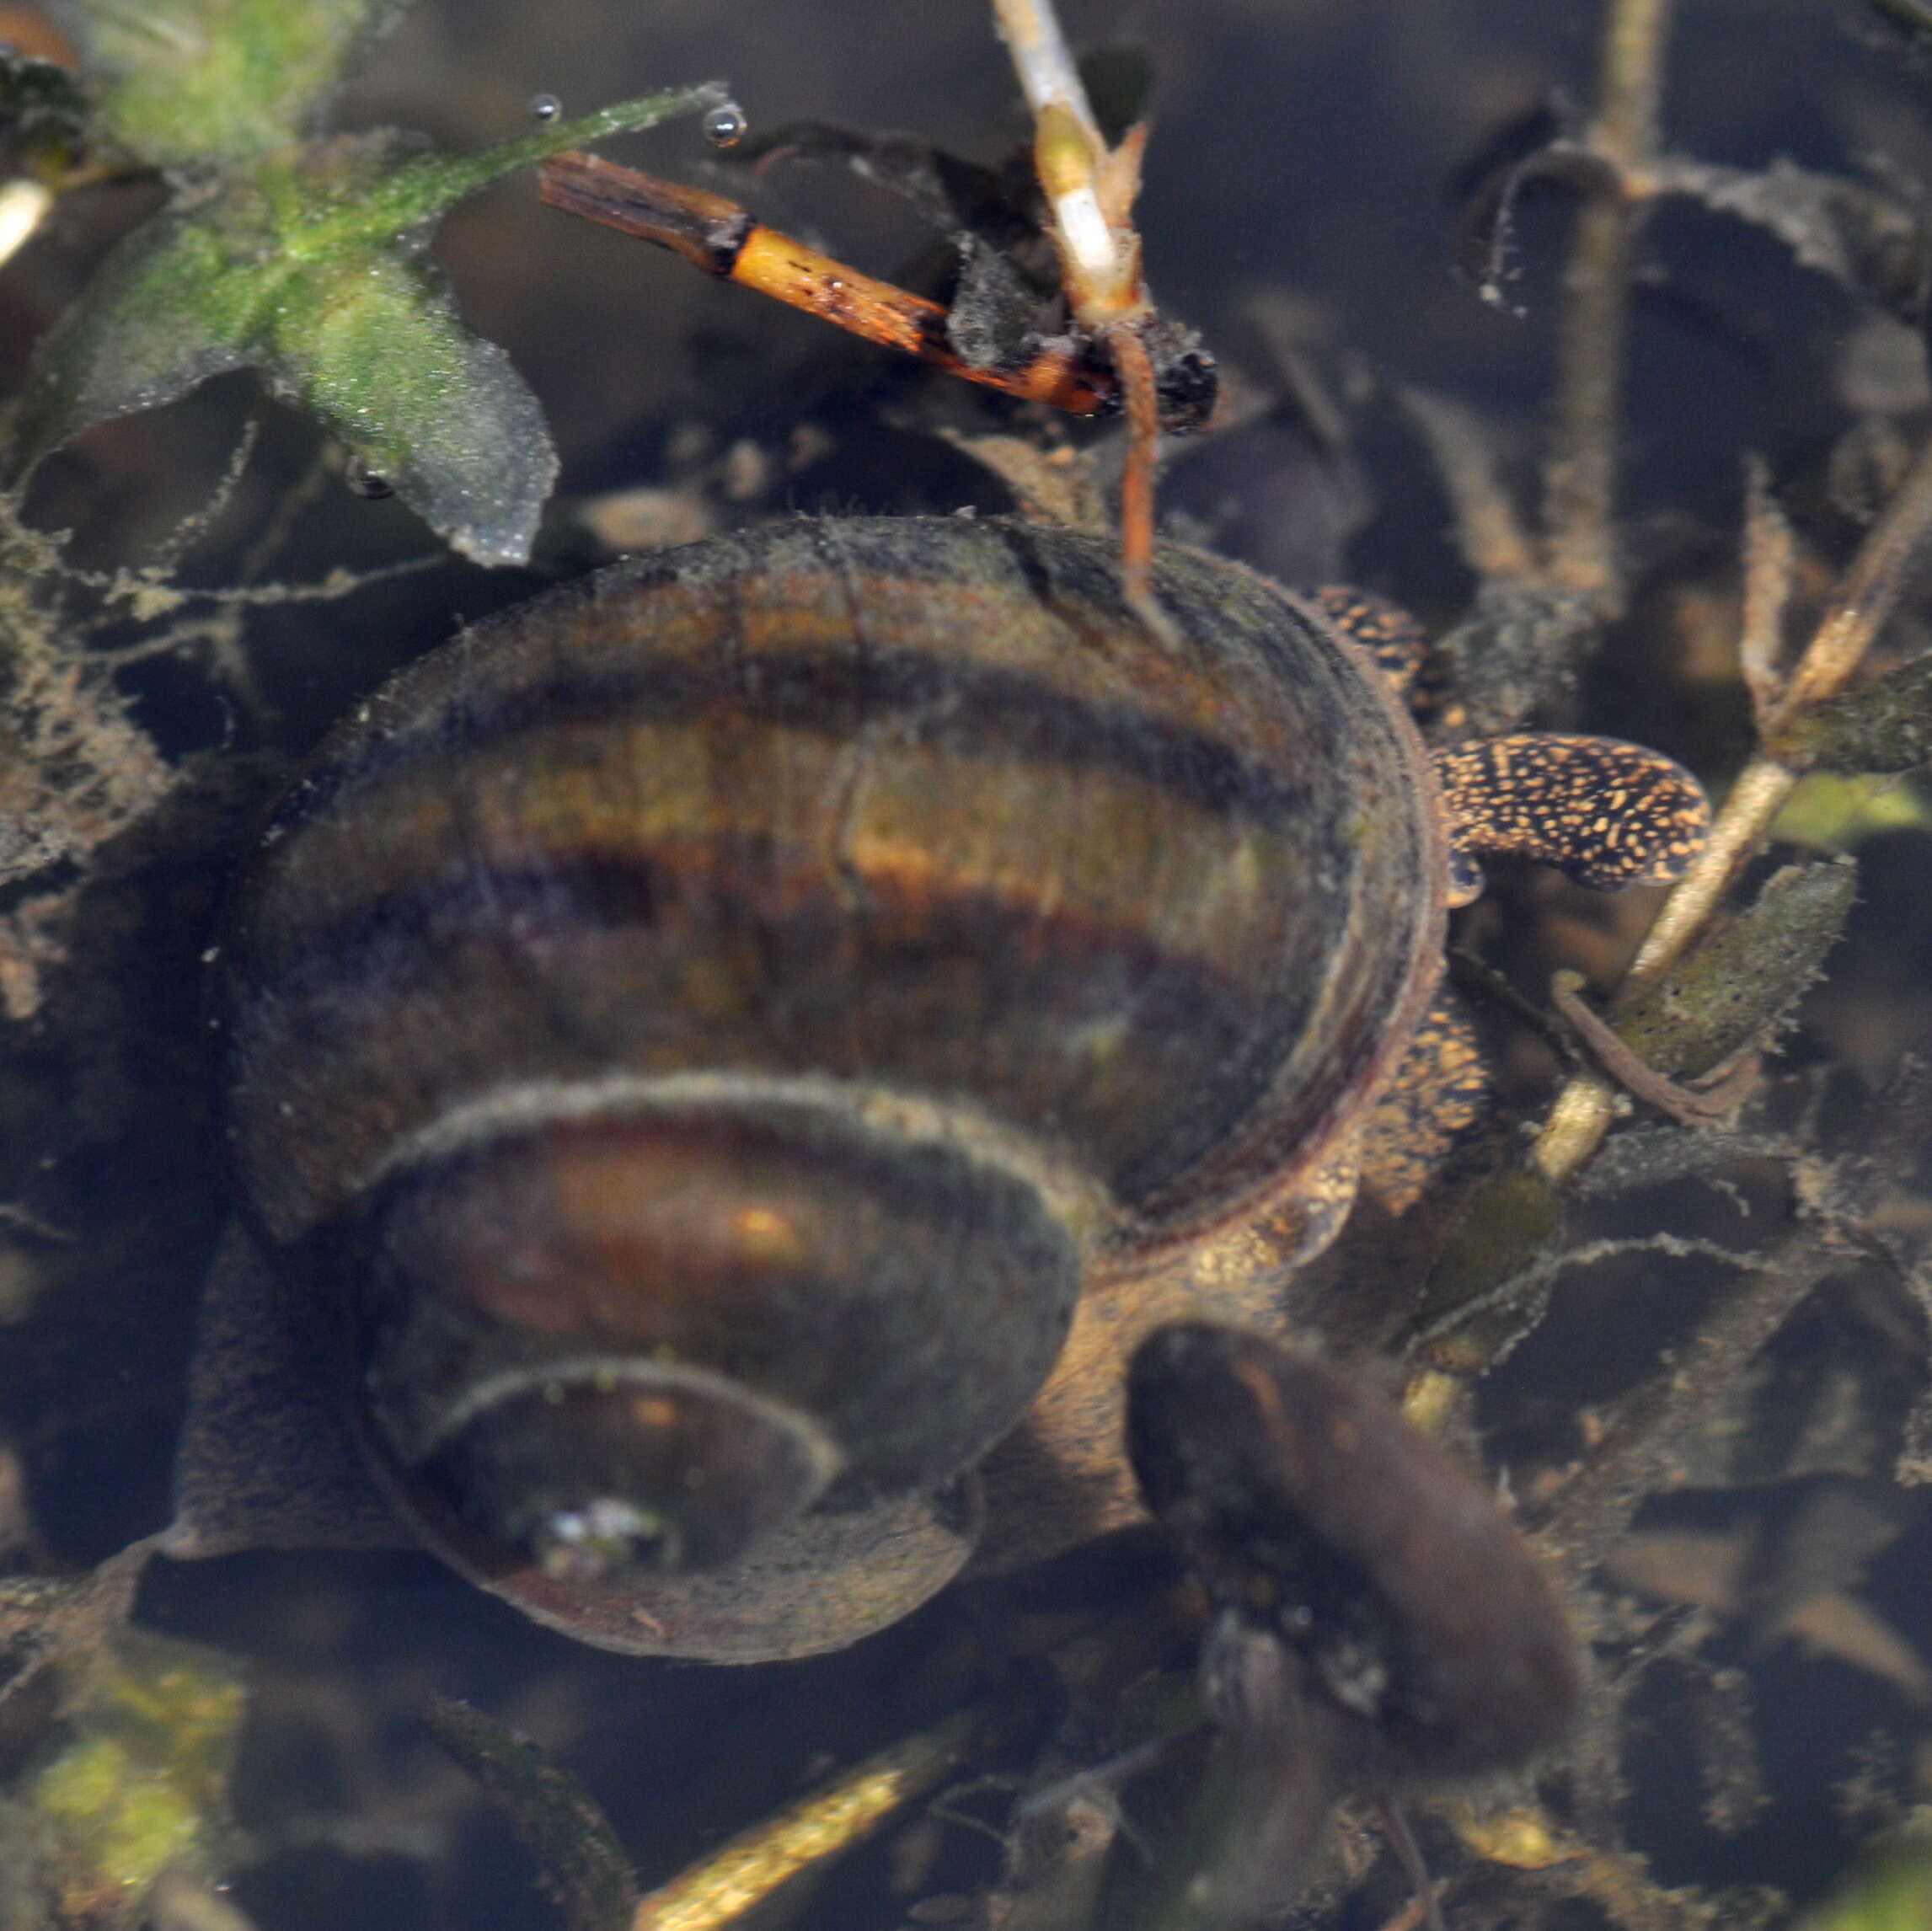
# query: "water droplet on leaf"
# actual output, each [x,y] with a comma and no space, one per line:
[726,124]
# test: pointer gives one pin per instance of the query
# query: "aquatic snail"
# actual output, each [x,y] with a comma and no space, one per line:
[1377,1622]
[718,1052]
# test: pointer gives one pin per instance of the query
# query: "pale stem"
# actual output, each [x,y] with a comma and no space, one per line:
[1628,105]
[1578,1121]
[1488,530]
[1100,261]
[1770,565]
[1866,597]
[1580,479]
[1043,61]
[1755,799]
[719,1889]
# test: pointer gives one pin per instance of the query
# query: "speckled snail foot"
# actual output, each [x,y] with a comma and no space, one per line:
[713,1049]
[1607,813]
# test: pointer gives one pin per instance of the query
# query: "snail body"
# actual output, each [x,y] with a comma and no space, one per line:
[698,1034]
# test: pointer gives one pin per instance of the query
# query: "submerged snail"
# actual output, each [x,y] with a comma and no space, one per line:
[712,1050]
[1377,1621]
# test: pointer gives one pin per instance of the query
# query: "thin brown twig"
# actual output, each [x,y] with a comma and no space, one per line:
[1697,1104]
[1135,369]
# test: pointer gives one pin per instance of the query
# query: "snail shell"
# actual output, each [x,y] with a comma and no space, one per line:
[697,1034]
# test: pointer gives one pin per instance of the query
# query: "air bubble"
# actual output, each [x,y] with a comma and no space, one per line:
[726,124]
[545,108]
[366,481]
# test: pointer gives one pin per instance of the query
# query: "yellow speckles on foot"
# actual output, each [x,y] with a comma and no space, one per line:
[1607,813]
[1385,630]
[1441,1092]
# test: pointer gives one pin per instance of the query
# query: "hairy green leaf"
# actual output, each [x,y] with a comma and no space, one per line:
[158,319]
[382,359]
[309,264]
[1487,1286]
[1882,726]
[186,82]
[1893,1893]
[1742,982]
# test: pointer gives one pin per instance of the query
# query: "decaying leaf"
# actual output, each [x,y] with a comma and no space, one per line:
[130,1779]
[142,1787]
[1868,241]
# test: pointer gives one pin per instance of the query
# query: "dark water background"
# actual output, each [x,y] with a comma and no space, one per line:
[1303,165]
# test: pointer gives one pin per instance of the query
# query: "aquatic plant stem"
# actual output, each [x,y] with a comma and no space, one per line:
[1637,1453]
[1866,597]
[720,1888]
[1089,187]
[1581,475]
[1042,60]
[1636,1456]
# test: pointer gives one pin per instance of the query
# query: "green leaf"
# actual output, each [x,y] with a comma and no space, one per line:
[180,82]
[1825,809]
[146,331]
[309,264]
[1740,983]
[143,1784]
[1485,1290]
[1893,1893]
[381,357]
[1882,726]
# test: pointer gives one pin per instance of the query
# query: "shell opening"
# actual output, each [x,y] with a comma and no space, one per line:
[648,1343]
[610,1471]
